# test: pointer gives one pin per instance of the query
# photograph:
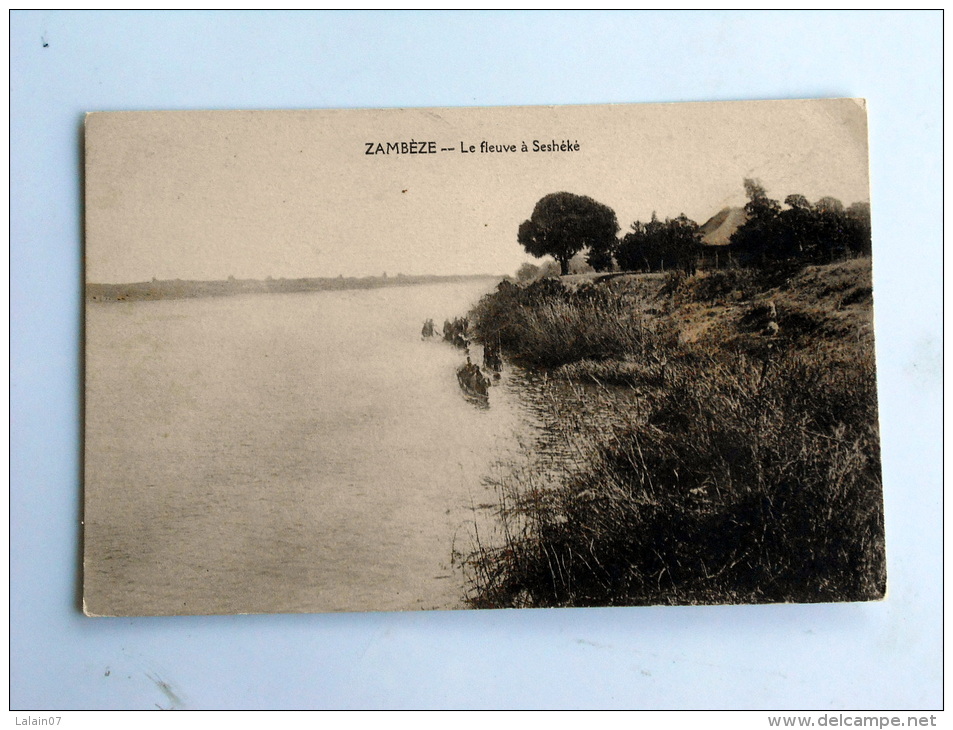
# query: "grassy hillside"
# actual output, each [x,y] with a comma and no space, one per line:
[742,461]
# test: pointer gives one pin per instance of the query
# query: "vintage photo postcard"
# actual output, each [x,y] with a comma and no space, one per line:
[405,359]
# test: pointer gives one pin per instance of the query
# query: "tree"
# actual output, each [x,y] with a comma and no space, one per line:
[563,224]
[829,205]
[634,251]
[755,240]
[657,246]
[860,212]
[797,202]
[527,272]
[803,232]
[858,226]
[600,258]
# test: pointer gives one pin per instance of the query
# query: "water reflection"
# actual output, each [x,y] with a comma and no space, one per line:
[559,413]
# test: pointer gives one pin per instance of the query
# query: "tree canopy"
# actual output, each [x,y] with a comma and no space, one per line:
[563,224]
[802,232]
[657,246]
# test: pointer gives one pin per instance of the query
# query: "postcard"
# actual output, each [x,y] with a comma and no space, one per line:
[437,359]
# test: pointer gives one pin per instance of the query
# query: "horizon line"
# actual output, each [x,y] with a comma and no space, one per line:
[336,277]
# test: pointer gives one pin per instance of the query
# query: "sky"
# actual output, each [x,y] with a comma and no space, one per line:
[252,194]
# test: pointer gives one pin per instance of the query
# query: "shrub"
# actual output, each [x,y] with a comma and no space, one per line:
[547,324]
[722,285]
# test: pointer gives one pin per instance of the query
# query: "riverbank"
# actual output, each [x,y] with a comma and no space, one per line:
[742,464]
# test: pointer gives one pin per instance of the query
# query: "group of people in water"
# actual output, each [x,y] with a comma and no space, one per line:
[470,376]
[472,380]
[492,359]
[455,332]
[428,329]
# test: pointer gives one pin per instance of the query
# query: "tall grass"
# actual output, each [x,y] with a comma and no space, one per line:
[748,482]
[546,324]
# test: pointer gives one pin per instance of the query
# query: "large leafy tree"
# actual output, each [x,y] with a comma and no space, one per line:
[563,224]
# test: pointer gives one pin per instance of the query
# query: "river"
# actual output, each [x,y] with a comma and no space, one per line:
[285,453]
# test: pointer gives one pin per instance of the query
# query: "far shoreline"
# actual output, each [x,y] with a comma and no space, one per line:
[160,289]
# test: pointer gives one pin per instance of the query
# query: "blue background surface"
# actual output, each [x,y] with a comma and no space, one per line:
[880,656]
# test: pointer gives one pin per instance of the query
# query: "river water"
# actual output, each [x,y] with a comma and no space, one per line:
[285,453]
